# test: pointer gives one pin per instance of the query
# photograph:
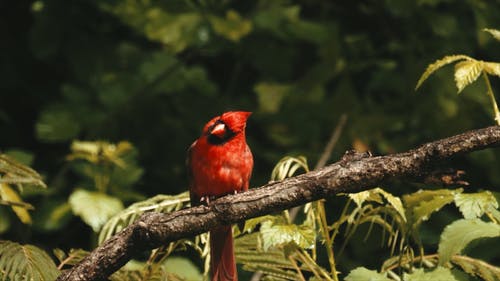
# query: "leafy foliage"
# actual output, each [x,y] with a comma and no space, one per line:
[25,262]
[91,73]
[460,233]
[95,208]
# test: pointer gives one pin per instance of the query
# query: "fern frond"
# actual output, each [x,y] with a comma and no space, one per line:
[437,65]
[272,263]
[25,262]
[12,172]
[494,32]
[73,257]
[287,166]
[159,203]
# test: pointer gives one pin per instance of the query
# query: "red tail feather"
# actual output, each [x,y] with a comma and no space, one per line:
[222,254]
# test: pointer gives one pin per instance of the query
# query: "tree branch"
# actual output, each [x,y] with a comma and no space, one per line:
[354,172]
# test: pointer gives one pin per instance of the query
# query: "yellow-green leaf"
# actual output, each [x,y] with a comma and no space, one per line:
[232,27]
[440,273]
[10,195]
[281,234]
[271,95]
[13,172]
[492,68]
[494,32]
[460,233]
[467,72]
[437,65]
[364,274]
[95,208]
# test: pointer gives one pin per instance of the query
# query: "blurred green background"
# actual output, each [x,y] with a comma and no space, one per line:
[153,72]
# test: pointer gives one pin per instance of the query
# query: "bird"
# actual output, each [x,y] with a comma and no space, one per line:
[220,162]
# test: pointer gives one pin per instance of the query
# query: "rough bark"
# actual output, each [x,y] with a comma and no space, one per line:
[354,172]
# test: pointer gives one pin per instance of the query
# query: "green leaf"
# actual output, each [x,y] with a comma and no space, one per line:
[460,233]
[183,268]
[232,27]
[159,203]
[52,215]
[437,65]
[364,274]
[467,72]
[56,125]
[253,222]
[494,32]
[477,267]
[22,156]
[474,205]
[95,208]
[271,95]
[274,234]
[25,262]
[4,220]
[440,273]
[423,203]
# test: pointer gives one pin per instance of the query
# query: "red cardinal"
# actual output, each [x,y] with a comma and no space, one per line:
[220,162]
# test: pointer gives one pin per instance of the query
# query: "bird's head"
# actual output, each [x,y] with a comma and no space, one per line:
[224,127]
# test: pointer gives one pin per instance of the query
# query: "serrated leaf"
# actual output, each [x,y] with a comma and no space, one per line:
[494,32]
[467,72]
[440,273]
[460,233]
[474,205]
[159,203]
[274,235]
[10,195]
[477,267]
[437,65]
[252,223]
[95,208]
[25,262]
[364,274]
[422,204]
[492,68]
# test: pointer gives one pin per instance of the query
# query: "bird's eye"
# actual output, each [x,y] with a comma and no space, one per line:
[218,129]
